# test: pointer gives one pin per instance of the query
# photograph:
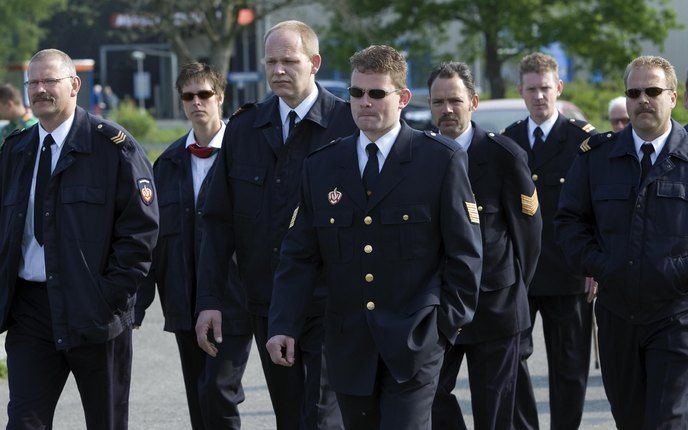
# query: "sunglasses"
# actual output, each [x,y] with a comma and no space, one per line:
[374,93]
[634,93]
[203,95]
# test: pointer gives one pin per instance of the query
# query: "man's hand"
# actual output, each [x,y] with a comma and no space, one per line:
[281,349]
[590,289]
[207,320]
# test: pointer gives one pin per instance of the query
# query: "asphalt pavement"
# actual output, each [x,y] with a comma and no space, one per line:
[158,402]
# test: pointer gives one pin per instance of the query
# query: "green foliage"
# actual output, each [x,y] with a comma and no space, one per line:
[138,122]
[3,368]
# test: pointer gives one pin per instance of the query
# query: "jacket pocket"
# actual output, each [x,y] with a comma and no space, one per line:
[333,226]
[410,228]
[248,187]
[170,212]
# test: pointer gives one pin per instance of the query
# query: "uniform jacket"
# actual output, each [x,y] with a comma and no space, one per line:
[102,227]
[176,255]
[254,191]
[511,226]
[549,166]
[631,237]
[390,293]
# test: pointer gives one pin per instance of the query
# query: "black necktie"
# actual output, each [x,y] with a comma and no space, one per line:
[42,178]
[292,122]
[371,170]
[537,145]
[646,162]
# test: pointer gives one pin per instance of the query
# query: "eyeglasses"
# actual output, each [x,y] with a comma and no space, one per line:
[374,93]
[46,82]
[623,121]
[634,93]
[203,95]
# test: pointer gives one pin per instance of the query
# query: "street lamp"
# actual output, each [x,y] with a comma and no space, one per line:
[139,56]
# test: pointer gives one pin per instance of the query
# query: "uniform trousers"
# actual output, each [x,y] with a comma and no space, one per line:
[295,392]
[645,370]
[567,327]
[213,384]
[492,370]
[395,405]
[38,371]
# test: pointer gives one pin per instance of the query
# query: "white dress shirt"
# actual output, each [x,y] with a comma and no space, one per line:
[301,111]
[201,166]
[384,145]
[658,143]
[546,127]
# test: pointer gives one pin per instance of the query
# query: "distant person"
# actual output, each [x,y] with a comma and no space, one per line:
[389,216]
[623,219]
[110,101]
[78,224]
[12,109]
[252,197]
[97,100]
[213,385]
[617,113]
[511,224]
[557,292]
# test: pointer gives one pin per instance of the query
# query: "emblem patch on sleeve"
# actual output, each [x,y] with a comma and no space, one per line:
[293,217]
[472,210]
[529,204]
[145,190]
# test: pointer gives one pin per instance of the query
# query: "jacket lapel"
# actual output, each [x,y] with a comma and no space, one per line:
[556,140]
[78,140]
[349,175]
[477,154]
[268,120]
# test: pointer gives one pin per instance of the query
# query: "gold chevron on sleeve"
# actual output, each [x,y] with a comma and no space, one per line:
[584,147]
[529,204]
[119,138]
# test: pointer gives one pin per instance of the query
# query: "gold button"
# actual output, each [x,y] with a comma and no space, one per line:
[369,277]
[368,220]
[369,193]
[405,217]
[480,208]
[370,306]
[367,249]
[562,180]
[535,177]
[331,220]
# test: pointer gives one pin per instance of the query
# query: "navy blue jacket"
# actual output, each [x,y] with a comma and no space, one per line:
[390,293]
[630,236]
[175,257]
[511,225]
[253,192]
[100,234]
[553,275]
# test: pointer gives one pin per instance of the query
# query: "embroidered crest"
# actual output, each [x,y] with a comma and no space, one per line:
[472,210]
[145,190]
[334,196]
[529,204]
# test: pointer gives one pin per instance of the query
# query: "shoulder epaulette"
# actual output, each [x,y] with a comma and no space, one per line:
[513,124]
[595,141]
[583,125]
[114,134]
[16,132]
[441,139]
[243,108]
[505,142]
[327,145]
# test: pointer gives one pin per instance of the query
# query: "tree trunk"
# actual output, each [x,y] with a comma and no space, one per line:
[220,53]
[493,66]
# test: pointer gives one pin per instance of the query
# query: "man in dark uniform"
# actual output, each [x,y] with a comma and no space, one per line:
[389,214]
[511,226]
[551,141]
[251,198]
[213,385]
[78,223]
[12,109]
[623,220]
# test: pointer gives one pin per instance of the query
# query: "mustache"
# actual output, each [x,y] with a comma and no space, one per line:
[42,98]
[449,117]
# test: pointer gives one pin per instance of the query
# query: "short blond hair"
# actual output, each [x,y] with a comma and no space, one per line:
[65,60]
[539,63]
[381,59]
[309,39]
[653,62]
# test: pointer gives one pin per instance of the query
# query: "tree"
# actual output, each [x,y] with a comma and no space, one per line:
[214,21]
[604,33]
[21,28]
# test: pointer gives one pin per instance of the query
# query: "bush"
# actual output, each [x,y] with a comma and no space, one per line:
[138,122]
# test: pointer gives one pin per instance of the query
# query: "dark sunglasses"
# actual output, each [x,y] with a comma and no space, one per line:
[374,93]
[203,95]
[634,93]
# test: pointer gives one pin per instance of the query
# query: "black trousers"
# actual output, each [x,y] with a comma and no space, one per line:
[38,371]
[395,405]
[567,327]
[300,399]
[492,370]
[645,371]
[213,385]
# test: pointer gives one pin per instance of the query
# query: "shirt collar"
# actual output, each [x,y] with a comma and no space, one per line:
[658,143]
[465,138]
[59,134]
[215,142]
[384,143]
[301,110]
[546,126]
